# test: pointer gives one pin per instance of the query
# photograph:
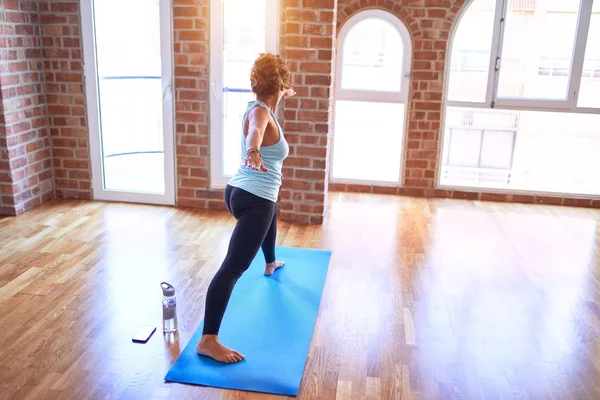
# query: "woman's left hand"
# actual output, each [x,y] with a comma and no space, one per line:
[254,161]
[290,92]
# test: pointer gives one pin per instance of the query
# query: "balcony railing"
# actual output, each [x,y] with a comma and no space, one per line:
[521,5]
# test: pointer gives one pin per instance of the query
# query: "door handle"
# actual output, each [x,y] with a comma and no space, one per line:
[167,89]
[213,90]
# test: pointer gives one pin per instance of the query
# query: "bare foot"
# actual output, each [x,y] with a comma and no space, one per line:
[270,268]
[211,347]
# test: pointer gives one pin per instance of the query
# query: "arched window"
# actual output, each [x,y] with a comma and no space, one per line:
[523,110]
[373,62]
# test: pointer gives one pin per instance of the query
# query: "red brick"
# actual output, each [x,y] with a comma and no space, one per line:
[437,13]
[188,150]
[297,184]
[321,128]
[321,42]
[326,55]
[573,202]
[302,55]
[325,4]
[190,35]
[494,197]
[12,16]
[298,161]
[324,80]
[295,41]
[413,144]
[321,67]
[300,15]
[430,173]
[326,16]
[319,92]
[311,151]
[215,205]
[179,11]
[210,194]
[316,116]
[318,175]
[438,3]
[465,195]
[297,126]
[415,173]
[416,163]
[185,200]
[309,139]
[385,190]
[411,191]
[548,200]
[292,28]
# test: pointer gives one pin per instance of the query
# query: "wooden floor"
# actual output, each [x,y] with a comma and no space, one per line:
[425,299]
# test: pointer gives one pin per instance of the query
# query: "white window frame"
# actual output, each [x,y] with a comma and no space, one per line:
[218,179]
[400,97]
[93,110]
[492,100]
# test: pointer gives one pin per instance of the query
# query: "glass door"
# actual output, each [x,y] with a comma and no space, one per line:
[240,31]
[128,60]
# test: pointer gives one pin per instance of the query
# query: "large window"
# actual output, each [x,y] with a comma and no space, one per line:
[240,31]
[523,103]
[373,64]
[128,52]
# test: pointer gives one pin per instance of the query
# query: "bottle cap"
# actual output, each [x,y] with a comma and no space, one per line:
[167,289]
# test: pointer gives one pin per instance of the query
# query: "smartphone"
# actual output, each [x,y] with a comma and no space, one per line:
[143,335]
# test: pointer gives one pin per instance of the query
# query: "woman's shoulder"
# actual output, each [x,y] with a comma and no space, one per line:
[258,111]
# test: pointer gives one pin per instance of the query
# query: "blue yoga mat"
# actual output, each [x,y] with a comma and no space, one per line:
[270,320]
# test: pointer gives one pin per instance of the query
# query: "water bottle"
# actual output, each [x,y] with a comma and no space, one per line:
[169,308]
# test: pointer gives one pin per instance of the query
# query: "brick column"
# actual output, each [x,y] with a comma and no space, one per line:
[308,42]
[6,193]
[26,178]
[65,96]
[191,91]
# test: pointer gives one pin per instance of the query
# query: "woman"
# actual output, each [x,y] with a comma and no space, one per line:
[251,197]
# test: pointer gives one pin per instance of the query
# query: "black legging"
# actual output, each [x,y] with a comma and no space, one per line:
[256,227]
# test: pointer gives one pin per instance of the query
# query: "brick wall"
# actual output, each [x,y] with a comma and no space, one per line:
[53,119]
[63,64]
[191,90]
[308,40]
[25,135]
[6,193]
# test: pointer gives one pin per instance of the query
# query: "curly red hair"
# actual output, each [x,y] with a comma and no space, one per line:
[269,75]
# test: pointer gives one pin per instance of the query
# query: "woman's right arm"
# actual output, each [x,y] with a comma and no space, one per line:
[258,119]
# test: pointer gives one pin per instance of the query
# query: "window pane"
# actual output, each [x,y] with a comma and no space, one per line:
[537,49]
[244,31]
[128,41]
[465,146]
[589,92]
[471,48]
[128,56]
[372,57]
[363,150]
[554,152]
[496,149]
[234,106]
